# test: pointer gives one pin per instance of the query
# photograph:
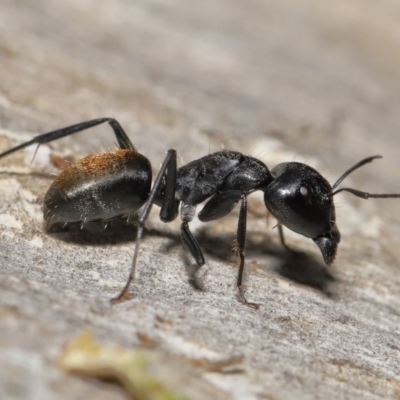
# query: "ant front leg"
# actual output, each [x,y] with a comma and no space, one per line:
[282,239]
[291,251]
[167,210]
[240,247]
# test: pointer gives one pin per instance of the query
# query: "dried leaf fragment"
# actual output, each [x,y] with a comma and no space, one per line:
[85,357]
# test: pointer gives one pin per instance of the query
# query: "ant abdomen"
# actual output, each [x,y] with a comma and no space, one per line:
[101,186]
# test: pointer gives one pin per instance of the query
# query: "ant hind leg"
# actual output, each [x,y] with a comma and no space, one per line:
[169,166]
[122,138]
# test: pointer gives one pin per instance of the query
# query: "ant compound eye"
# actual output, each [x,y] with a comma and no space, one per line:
[306,192]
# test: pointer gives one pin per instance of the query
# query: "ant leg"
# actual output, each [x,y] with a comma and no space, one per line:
[169,162]
[282,239]
[189,242]
[240,246]
[123,140]
[283,242]
[169,207]
[191,245]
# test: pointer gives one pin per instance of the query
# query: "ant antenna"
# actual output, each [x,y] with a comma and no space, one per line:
[353,168]
[359,193]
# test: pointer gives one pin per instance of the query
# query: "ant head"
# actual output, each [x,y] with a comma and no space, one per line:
[300,198]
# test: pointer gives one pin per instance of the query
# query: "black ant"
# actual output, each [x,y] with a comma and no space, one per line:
[116,183]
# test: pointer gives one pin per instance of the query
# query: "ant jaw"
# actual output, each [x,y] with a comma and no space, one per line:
[328,248]
[328,244]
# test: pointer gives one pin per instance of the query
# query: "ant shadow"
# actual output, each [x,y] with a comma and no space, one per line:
[296,266]
[306,270]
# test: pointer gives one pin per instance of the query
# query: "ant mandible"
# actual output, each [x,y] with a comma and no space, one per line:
[117,183]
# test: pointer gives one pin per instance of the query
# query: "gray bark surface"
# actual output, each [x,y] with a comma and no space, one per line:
[316,82]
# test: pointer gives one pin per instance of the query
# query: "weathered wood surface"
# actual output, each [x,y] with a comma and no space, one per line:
[318,82]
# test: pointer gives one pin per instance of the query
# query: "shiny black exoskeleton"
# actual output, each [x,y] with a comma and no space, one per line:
[118,183]
[301,199]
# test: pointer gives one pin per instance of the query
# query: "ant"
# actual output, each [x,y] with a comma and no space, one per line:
[117,183]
